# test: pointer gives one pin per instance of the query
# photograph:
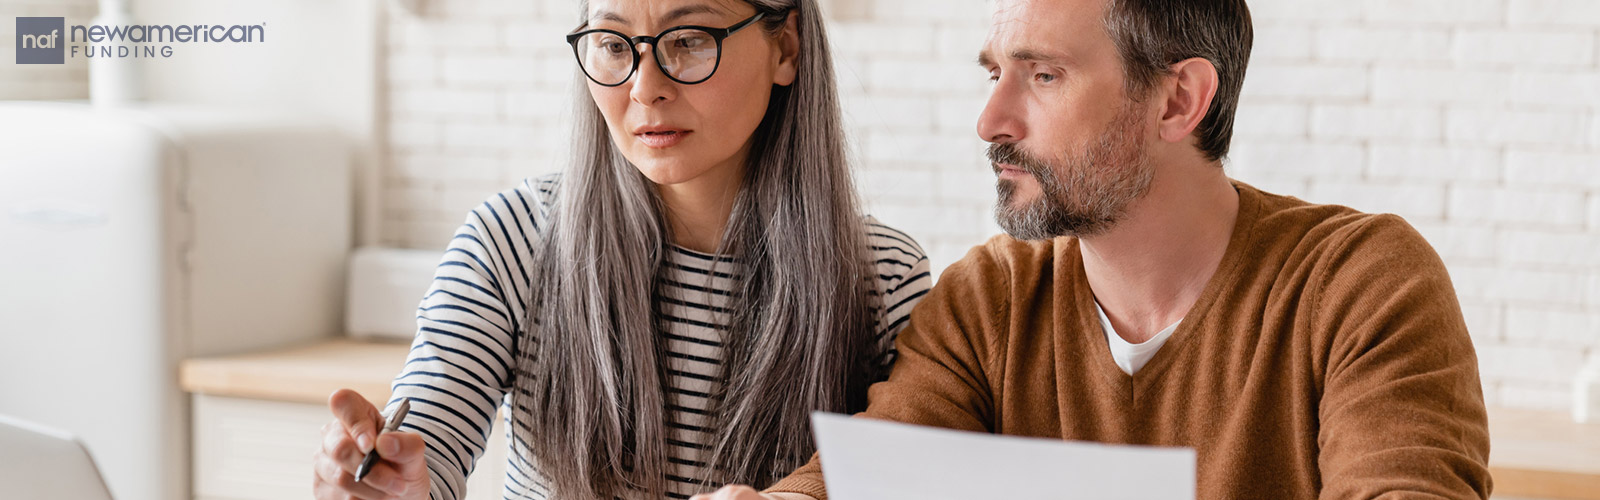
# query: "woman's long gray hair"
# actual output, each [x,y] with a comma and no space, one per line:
[589,393]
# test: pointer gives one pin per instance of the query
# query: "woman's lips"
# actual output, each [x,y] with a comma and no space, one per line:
[662,139]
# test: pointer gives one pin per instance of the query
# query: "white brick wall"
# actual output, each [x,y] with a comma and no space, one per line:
[476,93]
[1477,120]
[1365,44]
[1539,13]
[1513,48]
[1434,12]
[1516,207]
[1487,105]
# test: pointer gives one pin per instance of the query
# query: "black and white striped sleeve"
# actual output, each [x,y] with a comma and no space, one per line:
[903,278]
[461,360]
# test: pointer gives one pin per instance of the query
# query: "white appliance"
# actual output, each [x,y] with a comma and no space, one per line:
[384,288]
[41,462]
[133,238]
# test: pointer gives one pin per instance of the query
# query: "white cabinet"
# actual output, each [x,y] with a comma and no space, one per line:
[258,417]
[250,449]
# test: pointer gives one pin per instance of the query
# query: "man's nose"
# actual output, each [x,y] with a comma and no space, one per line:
[1001,120]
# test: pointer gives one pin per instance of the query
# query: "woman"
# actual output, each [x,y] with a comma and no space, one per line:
[665,314]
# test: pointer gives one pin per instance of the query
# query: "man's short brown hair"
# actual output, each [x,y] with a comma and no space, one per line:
[1152,35]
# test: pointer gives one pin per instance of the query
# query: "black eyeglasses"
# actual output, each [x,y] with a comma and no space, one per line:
[686,54]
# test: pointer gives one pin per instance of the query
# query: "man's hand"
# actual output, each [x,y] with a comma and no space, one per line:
[742,492]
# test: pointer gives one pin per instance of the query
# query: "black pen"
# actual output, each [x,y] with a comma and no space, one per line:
[390,426]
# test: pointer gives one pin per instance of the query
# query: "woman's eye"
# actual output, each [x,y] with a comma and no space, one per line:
[687,42]
[610,47]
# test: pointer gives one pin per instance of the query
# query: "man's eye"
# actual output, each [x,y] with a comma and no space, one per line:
[1044,77]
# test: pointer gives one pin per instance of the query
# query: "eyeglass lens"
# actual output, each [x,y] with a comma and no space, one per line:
[688,55]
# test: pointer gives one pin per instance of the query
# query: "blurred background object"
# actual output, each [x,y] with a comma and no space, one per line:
[138,237]
[42,462]
[205,209]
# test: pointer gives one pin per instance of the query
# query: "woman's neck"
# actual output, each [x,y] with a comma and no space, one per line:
[698,209]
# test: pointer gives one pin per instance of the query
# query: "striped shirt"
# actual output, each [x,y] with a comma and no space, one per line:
[459,370]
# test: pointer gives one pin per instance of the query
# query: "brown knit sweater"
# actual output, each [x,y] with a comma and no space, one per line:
[1327,358]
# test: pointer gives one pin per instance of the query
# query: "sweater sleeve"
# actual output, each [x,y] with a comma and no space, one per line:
[939,377]
[460,364]
[903,279]
[1402,412]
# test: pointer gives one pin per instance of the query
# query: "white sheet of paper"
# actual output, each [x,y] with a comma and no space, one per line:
[865,459]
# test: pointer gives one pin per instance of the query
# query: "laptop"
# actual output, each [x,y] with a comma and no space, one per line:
[38,462]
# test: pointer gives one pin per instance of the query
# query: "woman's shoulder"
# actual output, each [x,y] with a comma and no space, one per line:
[886,242]
[508,222]
[529,202]
[539,191]
[896,256]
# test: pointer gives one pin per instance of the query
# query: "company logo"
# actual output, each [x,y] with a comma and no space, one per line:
[47,40]
[41,40]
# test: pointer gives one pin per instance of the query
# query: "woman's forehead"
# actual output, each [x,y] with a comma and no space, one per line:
[662,11]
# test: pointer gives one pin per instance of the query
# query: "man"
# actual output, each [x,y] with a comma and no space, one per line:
[1142,297]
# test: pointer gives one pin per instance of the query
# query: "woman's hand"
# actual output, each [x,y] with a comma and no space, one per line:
[742,492]
[399,473]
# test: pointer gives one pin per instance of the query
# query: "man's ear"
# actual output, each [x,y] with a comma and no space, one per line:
[788,51]
[1187,95]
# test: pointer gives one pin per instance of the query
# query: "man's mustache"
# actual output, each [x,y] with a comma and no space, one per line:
[1010,153]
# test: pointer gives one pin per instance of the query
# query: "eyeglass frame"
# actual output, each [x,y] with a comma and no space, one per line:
[718,34]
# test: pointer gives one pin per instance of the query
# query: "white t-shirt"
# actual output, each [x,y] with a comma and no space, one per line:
[1129,356]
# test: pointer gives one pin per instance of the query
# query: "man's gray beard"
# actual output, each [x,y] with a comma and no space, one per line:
[1102,183]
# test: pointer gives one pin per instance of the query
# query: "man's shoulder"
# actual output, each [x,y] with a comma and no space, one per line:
[1012,251]
[1001,260]
[1336,240]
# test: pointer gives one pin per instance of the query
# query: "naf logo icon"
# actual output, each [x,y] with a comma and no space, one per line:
[41,40]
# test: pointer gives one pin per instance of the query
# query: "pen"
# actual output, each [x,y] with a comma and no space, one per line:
[390,426]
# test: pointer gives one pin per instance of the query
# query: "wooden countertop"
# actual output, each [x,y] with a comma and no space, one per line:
[1533,454]
[306,374]
[1541,454]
